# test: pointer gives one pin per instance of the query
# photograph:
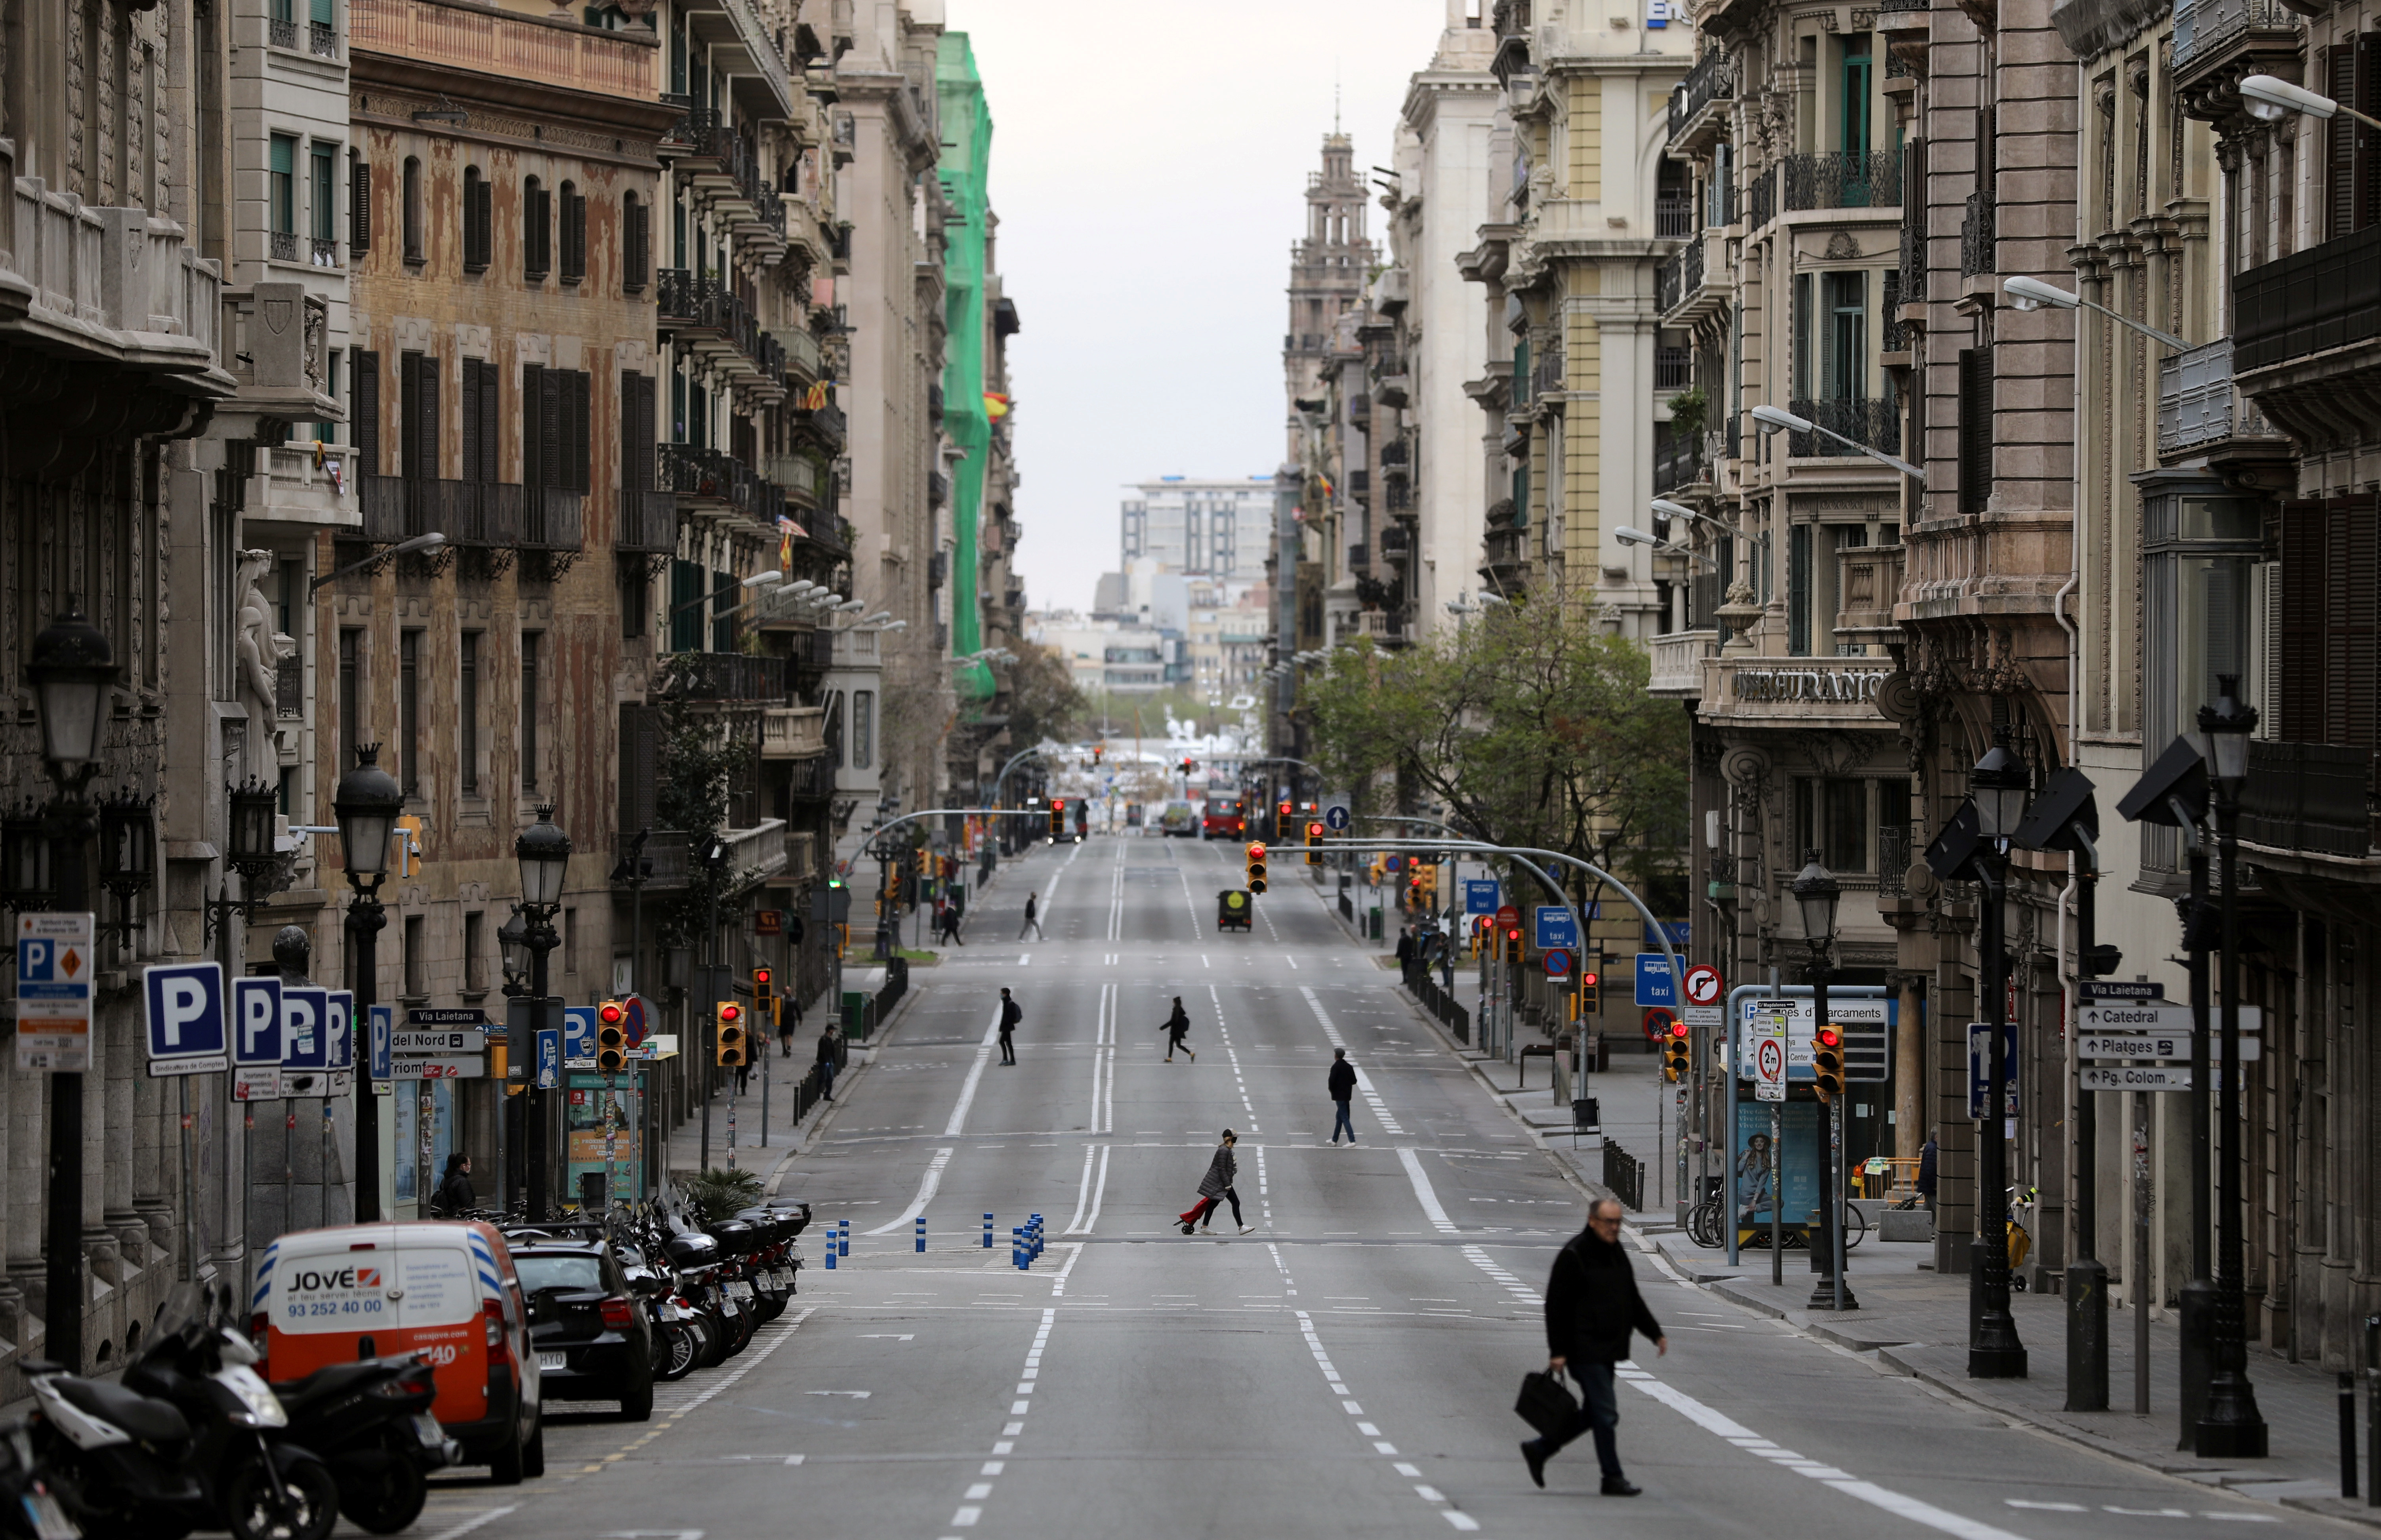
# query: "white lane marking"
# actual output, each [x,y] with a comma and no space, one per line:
[1107,1111]
[1233,1055]
[1099,1192]
[1083,1192]
[491,1516]
[1058,1284]
[934,1180]
[1521,1291]
[958,1125]
[752,1359]
[1189,902]
[1364,1081]
[1431,1207]
[1332,1377]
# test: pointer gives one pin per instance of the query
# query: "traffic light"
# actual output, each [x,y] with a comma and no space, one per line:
[733,1047]
[611,1037]
[1677,1056]
[1188,764]
[1256,866]
[1511,936]
[1591,991]
[764,995]
[1315,842]
[1057,817]
[1827,1060]
[1283,821]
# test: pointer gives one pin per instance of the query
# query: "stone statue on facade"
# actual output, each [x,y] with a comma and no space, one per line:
[258,651]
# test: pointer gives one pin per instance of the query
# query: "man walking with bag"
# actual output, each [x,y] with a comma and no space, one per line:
[1343,1088]
[1010,1017]
[1591,1306]
[1178,1032]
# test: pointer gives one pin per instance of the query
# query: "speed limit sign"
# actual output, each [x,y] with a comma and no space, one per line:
[1703,984]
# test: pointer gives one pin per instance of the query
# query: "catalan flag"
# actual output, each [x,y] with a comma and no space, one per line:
[995,405]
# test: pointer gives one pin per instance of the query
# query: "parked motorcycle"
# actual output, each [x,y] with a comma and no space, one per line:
[370,1422]
[28,1509]
[192,1438]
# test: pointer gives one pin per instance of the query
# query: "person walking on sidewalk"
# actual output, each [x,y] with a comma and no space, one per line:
[1343,1088]
[1591,1306]
[1032,909]
[1927,1163]
[829,1051]
[1010,1017]
[1405,952]
[951,925]
[1216,1188]
[1177,1030]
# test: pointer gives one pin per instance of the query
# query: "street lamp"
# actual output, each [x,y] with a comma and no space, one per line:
[1773,419]
[367,804]
[2273,99]
[2032,294]
[1668,510]
[512,945]
[127,847]
[1996,787]
[1628,536]
[544,851]
[1818,895]
[71,669]
[2229,1425]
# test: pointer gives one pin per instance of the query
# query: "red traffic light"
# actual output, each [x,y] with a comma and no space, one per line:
[1828,1037]
[1514,934]
[610,1014]
[1256,849]
[1057,804]
[1677,1028]
[1314,830]
[762,975]
[1591,978]
[731,1013]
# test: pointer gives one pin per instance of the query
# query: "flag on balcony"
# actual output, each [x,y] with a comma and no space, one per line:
[995,405]
[816,398]
[787,529]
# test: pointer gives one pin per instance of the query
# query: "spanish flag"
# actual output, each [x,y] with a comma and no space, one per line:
[995,405]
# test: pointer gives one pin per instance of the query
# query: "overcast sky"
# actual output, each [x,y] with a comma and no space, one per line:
[1149,165]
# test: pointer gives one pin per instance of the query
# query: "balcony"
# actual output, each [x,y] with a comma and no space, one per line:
[1677,672]
[321,40]
[718,483]
[1672,368]
[742,47]
[798,475]
[1679,462]
[1868,581]
[277,348]
[724,677]
[793,732]
[2200,410]
[2306,339]
[1843,179]
[2308,798]
[1907,27]
[802,363]
[506,46]
[1699,105]
[1673,216]
[1979,251]
[1875,421]
[667,858]
[648,523]
[2219,42]
[757,852]
[491,516]
[297,485]
[1761,200]
[1689,287]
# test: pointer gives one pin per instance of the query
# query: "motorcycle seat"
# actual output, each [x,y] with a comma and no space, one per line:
[141,1416]
[327,1383]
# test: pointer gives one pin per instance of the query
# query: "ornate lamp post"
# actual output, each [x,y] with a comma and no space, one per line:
[1818,895]
[544,851]
[1997,788]
[71,669]
[2229,1425]
[367,804]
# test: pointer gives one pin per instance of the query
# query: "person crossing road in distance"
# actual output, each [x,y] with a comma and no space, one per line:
[951,925]
[1591,1306]
[1009,1016]
[1178,1032]
[1216,1188]
[1032,921]
[1342,1084]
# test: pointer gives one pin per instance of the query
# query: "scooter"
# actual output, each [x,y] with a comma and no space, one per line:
[370,1422]
[28,1509]
[192,1438]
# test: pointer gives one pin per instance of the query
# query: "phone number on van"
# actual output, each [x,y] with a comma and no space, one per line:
[297,1312]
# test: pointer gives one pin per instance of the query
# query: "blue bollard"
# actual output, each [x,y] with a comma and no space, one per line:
[1016,1254]
[843,1237]
[830,1252]
[922,1235]
[987,1232]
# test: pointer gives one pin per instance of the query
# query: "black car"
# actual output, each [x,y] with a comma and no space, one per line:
[591,1336]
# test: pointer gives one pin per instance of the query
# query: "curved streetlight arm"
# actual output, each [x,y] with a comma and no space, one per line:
[1898,464]
[430,541]
[1014,759]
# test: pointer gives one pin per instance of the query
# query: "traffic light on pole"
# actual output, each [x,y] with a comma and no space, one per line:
[611,1037]
[733,1048]
[765,996]
[1590,990]
[1827,1060]
[1676,1054]
[1283,820]
[1057,817]
[1315,842]
[1256,866]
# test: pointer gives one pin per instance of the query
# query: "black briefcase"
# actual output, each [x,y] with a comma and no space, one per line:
[1545,1403]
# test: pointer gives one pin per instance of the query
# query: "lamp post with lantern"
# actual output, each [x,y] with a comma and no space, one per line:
[367,804]
[1818,895]
[544,851]
[1997,786]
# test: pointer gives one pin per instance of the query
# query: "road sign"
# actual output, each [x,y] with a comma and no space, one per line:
[2118,989]
[463,1040]
[1654,981]
[549,1058]
[53,978]
[339,1031]
[2158,1015]
[1336,818]
[1979,1068]
[186,1017]
[383,1033]
[1556,927]
[1766,1042]
[579,1037]
[467,1066]
[1479,894]
[445,1016]
[2136,1076]
[2156,1044]
[1557,962]
[303,1045]
[1863,1013]
[1509,915]
[256,1040]
[1703,985]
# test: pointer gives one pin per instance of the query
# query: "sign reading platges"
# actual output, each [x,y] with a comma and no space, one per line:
[54,976]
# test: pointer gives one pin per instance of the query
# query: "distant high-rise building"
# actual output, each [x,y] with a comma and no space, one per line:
[1201,528]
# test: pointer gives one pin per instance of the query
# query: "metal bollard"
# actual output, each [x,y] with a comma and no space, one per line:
[922,1235]
[987,1232]
[2347,1434]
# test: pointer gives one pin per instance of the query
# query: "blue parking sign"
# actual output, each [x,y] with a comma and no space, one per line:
[384,1037]
[579,1032]
[303,1042]
[256,1021]
[340,1029]
[185,1004]
[1479,894]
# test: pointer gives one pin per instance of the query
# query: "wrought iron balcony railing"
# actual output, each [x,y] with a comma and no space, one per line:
[1875,422]
[1844,179]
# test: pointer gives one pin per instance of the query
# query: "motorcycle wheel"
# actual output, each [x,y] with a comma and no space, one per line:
[387,1500]
[310,1510]
[681,1349]
[713,1332]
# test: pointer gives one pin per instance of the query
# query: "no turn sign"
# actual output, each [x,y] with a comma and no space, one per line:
[1703,984]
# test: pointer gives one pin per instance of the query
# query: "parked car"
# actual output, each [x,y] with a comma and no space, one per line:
[1177,822]
[593,1340]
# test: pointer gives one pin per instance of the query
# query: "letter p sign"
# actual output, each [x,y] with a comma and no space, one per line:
[186,1017]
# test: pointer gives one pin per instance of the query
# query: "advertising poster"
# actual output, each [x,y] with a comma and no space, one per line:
[601,1119]
[1755,1181]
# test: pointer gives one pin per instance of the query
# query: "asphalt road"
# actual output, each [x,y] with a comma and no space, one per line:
[1350,1366]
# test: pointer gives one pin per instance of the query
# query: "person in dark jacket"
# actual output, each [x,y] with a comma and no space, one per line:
[454,1197]
[1178,1032]
[1009,1016]
[1343,1087]
[1591,1306]
[1216,1188]
[830,1052]
[1405,949]
[1927,1170]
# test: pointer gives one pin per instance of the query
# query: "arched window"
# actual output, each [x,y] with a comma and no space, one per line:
[574,234]
[414,221]
[478,220]
[537,229]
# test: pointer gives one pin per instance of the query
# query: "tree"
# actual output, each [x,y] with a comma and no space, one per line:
[702,748]
[1044,705]
[1530,724]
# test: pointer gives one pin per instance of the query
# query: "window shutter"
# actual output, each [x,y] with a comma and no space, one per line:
[2368,142]
[1798,589]
[636,239]
[553,470]
[581,456]
[409,403]
[640,766]
[360,207]
[425,436]
[472,443]
[492,390]
[364,408]
[574,234]
[532,440]
[646,437]
[1975,428]
[2340,199]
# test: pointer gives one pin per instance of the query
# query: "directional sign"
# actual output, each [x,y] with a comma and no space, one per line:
[383,1029]
[2118,989]
[1765,1038]
[467,1067]
[186,1017]
[2158,1015]
[1479,894]
[1336,818]
[2136,1076]
[1557,962]
[2156,1044]
[1556,927]
[1863,1013]
[417,1044]
[1653,979]
[1703,985]
[256,1040]
[53,978]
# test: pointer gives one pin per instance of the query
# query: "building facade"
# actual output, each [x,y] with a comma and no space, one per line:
[1202,527]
